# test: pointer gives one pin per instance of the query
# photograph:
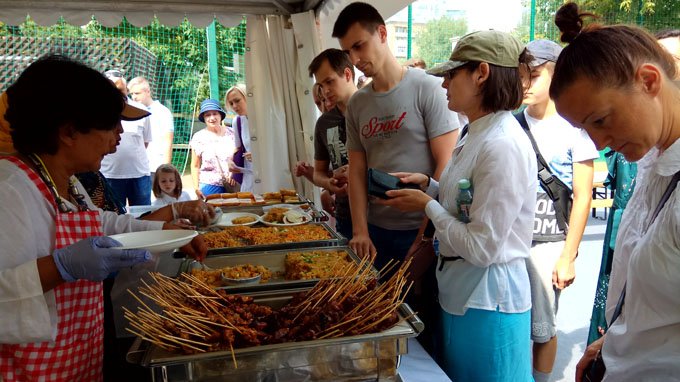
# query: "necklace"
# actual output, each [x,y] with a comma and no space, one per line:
[72,189]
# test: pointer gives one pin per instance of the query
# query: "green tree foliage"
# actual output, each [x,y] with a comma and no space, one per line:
[653,15]
[181,60]
[436,39]
[181,51]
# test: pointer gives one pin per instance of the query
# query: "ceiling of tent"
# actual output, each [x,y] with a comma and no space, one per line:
[140,12]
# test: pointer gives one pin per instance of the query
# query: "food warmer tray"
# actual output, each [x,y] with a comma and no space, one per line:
[367,357]
[335,240]
[317,215]
[273,260]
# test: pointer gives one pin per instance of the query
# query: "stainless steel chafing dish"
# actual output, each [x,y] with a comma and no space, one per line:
[305,204]
[335,240]
[273,260]
[367,357]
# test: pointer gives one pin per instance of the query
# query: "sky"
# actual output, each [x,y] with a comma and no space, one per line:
[503,15]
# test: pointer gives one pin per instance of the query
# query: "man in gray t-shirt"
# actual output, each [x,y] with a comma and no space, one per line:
[393,131]
[400,122]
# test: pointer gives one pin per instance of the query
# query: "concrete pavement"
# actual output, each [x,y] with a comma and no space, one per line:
[576,302]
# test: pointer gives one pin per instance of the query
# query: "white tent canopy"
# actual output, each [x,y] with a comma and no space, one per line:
[140,12]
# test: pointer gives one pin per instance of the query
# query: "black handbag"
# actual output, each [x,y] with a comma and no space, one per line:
[596,369]
[379,182]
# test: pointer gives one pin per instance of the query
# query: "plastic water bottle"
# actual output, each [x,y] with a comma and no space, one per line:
[464,200]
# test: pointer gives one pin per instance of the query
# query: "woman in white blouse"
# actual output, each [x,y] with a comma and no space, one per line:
[482,277]
[624,96]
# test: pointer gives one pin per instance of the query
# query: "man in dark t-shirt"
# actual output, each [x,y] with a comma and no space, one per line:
[335,74]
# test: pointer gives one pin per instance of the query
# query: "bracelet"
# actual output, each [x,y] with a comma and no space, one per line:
[175,212]
[428,184]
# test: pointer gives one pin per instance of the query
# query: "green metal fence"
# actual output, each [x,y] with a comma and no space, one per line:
[435,34]
[174,60]
[653,15]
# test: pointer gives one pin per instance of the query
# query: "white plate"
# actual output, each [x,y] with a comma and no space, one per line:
[280,205]
[155,241]
[225,219]
[305,215]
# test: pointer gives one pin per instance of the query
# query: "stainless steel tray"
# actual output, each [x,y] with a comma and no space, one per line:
[354,358]
[335,240]
[273,260]
[317,215]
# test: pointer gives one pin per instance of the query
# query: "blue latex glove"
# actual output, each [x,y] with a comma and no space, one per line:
[93,259]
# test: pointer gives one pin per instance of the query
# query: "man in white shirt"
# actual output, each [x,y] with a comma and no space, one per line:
[159,150]
[127,170]
[569,153]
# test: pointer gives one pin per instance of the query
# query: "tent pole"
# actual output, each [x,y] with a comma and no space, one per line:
[213,74]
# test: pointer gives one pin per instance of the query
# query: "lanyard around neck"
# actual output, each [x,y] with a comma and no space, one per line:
[47,178]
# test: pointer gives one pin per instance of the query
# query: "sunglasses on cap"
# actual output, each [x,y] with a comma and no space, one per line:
[113,73]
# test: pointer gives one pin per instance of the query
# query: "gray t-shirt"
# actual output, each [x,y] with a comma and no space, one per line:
[394,129]
[329,145]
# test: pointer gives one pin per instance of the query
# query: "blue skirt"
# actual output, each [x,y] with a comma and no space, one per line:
[483,345]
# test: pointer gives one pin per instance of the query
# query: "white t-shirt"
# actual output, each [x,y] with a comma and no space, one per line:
[130,160]
[27,233]
[166,199]
[162,123]
[561,145]
[496,156]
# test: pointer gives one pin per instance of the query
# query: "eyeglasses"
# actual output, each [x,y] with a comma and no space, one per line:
[449,75]
[113,73]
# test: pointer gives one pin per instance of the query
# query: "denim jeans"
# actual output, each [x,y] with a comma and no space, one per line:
[134,191]
[344,227]
[390,244]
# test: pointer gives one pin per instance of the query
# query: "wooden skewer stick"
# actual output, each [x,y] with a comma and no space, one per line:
[233,356]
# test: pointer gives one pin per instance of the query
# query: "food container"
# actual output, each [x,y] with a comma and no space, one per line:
[367,357]
[273,260]
[304,204]
[334,240]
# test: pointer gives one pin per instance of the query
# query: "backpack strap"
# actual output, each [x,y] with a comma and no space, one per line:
[547,179]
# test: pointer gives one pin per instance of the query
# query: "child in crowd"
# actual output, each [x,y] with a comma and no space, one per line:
[167,186]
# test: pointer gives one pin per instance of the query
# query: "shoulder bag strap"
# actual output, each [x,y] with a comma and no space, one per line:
[544,173]
[666,195]
[238,129]
[545,176]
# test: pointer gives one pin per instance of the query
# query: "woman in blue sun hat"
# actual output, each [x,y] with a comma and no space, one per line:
[211,150]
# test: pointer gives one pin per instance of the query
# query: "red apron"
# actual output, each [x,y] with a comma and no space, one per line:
[77,352]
